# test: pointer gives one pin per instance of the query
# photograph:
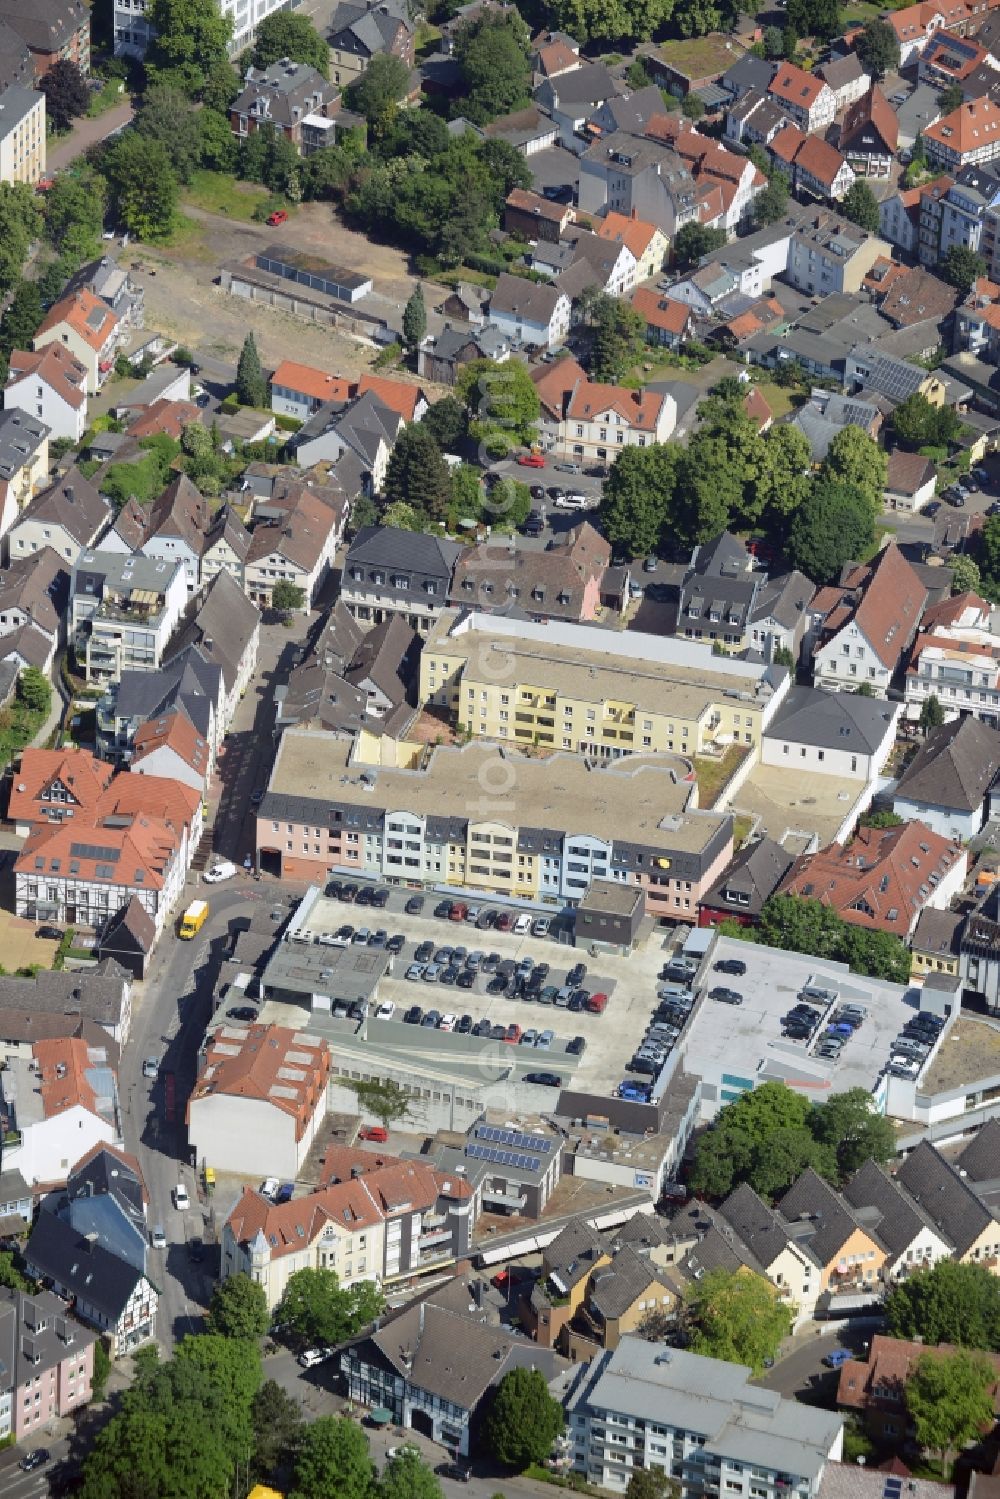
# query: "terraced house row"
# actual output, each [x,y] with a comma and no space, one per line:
[482,818]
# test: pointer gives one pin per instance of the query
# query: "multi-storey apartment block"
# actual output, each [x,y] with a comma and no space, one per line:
[124,610]
[597,693]
[482,820]
[647,1406]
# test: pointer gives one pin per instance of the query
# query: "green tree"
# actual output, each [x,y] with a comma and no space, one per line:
[762,1138]
[951,97]
[950,1401]
[414,318]
[20,223]
[251,386]
[737,1316]
[931,713]
[771,204]
[819,18]
[693,240]
[860,205]
[965,575]
[611,20]
[189,43]
[853,458]
[466,492]
[877,954]
[142,184]
[333,1461]
[834,523]
[168,116]
[238,1308]
[20,322]
[523,1420]
[417,473]
[502,402]
[102,1369]
[377,92]
[285,34]
[317,1308]
[10,1274]
[222,85]
[66,93]
[448,422]
[619,337]
[637,501]
[960,267]
[277,1424]
[287,597]
[878,49]
[784,480]
[507,505]
[383,1098]
[492,52]
[881,820]
[950,1303]
[74,213]
[407,1476]
[692,107]
[35,690]
[917,423]
[850,1125]
[404,517]
[774,43]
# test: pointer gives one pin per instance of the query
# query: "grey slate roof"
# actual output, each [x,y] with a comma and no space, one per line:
[831,720]
[749,72]
[756,871]
[884,1205]
[37,586]
[619,1285]
[46,25]
[954,767]
[221,625]
[980,1160]
[948,1200]
[20,438]
[389,547]
[888,375]
[784,599]
[632,113]
[189,682]
[389,656]
[73,503]
[37,1333]
[589,84]
[573,1253]
[102,1279]
[937,932]
[94,995]
[15,59]
[818,1220]
[757,1226]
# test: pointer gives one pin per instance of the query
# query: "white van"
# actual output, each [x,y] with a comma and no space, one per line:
[522,925]
[571,502]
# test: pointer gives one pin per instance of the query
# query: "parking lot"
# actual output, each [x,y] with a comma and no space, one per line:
[734,1047]
[610,1038]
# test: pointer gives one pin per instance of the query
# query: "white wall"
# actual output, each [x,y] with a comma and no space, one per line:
[49,1147]
[245,1135]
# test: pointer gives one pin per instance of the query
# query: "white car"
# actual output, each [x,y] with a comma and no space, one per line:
[447,1022]
[386,1010]
[522,925]
[269,1187]
[571,502]
[181,1199]
[220,872]
[313,1356]
[158,1238]
[151,1067]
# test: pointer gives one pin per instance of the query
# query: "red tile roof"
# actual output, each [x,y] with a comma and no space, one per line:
[555,381]
[62,1080]
[272,1064]
[174,731]
[635,233]
[785,145]
[640,408]
[78,773]
[56,366]
[794,86]
[169,417]
[134,857]
[660,311]
[307,381]
[821,160]
[399,395]
[164,797]
[89,317]
[882,880]
[536,205]
[967,129]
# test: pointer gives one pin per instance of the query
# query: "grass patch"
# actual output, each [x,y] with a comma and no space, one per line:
[741,829]
[111,94]
[452,279]
[573,1481]
[713,774]
[217,192]
[18,727]
[426,40]
[781,401]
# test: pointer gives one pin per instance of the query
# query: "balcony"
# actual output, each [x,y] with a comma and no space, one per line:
[507,1199]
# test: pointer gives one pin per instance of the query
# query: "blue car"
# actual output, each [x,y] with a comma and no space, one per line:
[285,1192]
[634,1092]
[840,1029]
[837,1357]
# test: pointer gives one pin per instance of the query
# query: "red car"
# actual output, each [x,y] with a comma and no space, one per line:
[597,1003]
[278,217]
[376,1132]
[531,460]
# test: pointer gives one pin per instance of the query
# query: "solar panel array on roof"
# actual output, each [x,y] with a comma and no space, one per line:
[514,1138]
[503,1157]
[94,851]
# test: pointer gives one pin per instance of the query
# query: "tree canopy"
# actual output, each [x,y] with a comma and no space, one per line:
[492,52]
[950,1401]
[523,1420]
[961,266]
[142,184]
[737,1316]
[377,92]
[238,1308]
[66,93]
[418,475]
[693,240]
[318,1309]
[949,1303]
[769,1136]
[834,523]
[878,49]
[855,458]
[251,386]
[407,1476]
[285,34]
[917,423]
[502,402]
[190,39]
[333,1461]
[860,205]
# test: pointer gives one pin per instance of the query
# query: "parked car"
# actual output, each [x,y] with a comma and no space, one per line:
[414,905]
[734,966]
[386,1010]
[544,1079]
[280,216]
[725,996]
[182,1201]
[413,1016]
[934,508]
[375,1132]
[310,1357]
[541,926]
[219,872]
[836,1357]
[531,460]
[158,1238]
[151,1067]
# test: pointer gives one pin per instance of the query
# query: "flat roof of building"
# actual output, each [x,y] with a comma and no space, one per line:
[313,266]
[792,805]
[659,673]
[642,799]
[969,1053]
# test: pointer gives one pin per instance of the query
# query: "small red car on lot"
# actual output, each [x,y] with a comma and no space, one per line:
[376,1132]
[531,460]
[278,217]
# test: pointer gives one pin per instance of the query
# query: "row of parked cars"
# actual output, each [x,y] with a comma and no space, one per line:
[814,1019]
[914,1044]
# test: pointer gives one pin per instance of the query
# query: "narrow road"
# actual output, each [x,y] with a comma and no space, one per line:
[87,133]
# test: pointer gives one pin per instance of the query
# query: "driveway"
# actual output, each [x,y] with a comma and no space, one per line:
[87,133]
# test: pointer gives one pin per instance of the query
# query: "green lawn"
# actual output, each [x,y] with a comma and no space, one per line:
[427,39]
[781,401]
[216,192]
[111,94]
[713,774]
